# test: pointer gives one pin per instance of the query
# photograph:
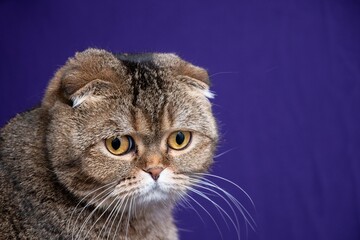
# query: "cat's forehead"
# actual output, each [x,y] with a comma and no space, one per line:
[158,96]
[149,70]
[151,79]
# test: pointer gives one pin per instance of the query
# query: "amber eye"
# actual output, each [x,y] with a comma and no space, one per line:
[120,145]
[179,140]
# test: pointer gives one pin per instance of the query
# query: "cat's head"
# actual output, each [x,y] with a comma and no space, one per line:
[129,126]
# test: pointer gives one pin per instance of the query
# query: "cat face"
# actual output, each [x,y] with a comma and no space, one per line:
[129,127]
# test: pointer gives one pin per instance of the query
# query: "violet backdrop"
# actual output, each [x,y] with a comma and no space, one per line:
[286,75]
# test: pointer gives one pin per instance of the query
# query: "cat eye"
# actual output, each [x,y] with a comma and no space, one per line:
[179,140]
[120,145]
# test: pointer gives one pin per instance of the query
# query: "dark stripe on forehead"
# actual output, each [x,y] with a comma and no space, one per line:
[147,86]
[145,75]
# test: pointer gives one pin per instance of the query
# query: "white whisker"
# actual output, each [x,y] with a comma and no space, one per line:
[238,205]
[196,184]
[92,213]
[220,209]
[188,204]
[107,219]
[129,215]
[118,209]
[76,207]
[223,153]
[212,218]
[227,180]
[218,73]
[106,192]
[122,214]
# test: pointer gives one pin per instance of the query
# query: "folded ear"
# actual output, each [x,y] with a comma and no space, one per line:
[175,64]
[91,92]
[194,72]
[196,77]
[85,76]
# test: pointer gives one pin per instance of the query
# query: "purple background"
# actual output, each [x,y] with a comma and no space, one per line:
[286,74]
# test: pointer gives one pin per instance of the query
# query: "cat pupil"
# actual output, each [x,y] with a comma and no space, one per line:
[116,143]
[180,137]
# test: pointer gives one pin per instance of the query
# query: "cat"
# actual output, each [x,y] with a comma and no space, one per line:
[117,140]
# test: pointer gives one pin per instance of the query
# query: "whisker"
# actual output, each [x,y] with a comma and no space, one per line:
[196,184]
[207,198]
[113,201]
[218,73]
[223,153]
[129,214]
[118,209]
[102,214]
[87,195]
[135,213]
[106,191]
[212,218]
[238,205]
[122,214]
[227,180]
[220,209]
[185,201]
[92,213]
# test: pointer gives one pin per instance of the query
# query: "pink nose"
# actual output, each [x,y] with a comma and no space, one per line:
[155,172]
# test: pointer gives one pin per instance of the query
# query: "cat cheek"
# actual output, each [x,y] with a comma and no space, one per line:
[105,167]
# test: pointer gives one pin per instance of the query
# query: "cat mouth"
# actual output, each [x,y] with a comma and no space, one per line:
[162,189]
[143,188]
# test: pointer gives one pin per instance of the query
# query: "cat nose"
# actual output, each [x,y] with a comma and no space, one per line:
[155,172]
